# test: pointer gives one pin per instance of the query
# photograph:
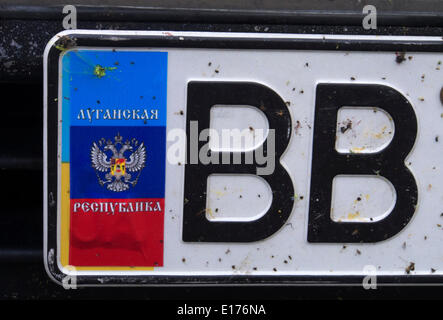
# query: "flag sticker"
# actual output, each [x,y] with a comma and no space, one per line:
[113,158]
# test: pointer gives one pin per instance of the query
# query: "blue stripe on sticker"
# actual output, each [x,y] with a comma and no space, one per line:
[112,88]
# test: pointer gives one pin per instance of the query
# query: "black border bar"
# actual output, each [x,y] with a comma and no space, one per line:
[429,15]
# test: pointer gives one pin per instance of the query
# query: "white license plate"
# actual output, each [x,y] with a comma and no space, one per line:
[323,164]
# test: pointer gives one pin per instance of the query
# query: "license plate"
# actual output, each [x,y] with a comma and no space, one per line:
[242,158]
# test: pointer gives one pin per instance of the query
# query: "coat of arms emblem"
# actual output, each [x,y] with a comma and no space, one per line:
[117,159]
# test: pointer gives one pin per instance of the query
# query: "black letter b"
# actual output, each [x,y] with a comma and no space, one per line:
[389,162]
[196,227]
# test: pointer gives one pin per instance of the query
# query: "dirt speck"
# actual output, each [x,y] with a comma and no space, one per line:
[65,43]
[297,126]
[346,126]
[400,57]
[410,268]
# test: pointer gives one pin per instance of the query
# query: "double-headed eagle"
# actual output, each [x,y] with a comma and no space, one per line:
[117,166]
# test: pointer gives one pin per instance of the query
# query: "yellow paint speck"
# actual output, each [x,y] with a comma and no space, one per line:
[352,216]
[209,212]
[357,150]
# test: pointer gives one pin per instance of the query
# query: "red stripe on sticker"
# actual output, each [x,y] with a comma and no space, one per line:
[116,232]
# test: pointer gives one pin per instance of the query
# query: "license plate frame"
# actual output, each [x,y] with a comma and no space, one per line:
[201,40]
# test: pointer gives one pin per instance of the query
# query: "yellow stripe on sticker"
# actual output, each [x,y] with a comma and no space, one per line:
[64,215]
